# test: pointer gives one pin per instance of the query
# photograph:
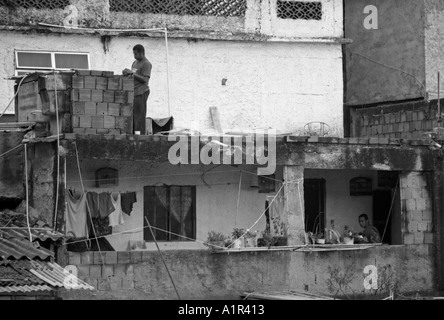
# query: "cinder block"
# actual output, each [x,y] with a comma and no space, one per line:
[123,257]
[101,83]
[83,72]
[97,95]
[128,83]
[78,108]
[78,130]
[70,136]
[83,271]
[429,226]
[96,73]
[427,215]
[128,283]
[313,139]
[90,131]
[115,131]
[95,271]
[78,82]
[97,122]
[120,270]
[420,115]
[74,258]
[410,204]
[109,122]
[85,121]
[116,284]
[113,109]
[75,94]
[415,193]
[102,131]
[111,257]
[108,96]
[415,215]
[412,226]
[90,108]
[90,82]
[422,226]
[107,271]
[125,124]
[102,109]
[120,97]
[75,121]
[420,204]
[114,83]
[92,282]
[419,237]
[108,74]
[126,110]
[99,257]
[103,285]
[403,117]
[409,238]
[135,256]
[84,95]
[428,238]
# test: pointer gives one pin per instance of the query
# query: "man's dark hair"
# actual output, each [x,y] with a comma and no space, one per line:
[139,48]
[363,216]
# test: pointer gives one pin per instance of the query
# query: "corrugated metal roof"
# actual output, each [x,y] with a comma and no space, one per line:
[14,243]
[32,275]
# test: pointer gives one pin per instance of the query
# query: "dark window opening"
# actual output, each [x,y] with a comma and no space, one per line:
[171,211]
[314,199]
[299,10]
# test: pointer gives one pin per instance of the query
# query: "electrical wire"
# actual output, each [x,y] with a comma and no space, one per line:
[390,211]
[7,152]
[56,207]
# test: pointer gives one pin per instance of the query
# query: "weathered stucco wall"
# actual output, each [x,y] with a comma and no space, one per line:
[382,64]
[280,85]
[434,39]
[202,275]
[216,204]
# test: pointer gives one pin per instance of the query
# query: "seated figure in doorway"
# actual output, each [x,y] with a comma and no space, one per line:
[370,234]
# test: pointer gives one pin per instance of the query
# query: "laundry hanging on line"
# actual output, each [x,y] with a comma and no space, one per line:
[127,201]
[76,215]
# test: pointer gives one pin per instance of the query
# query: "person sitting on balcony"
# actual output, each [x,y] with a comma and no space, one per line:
[370,233]
[141,70]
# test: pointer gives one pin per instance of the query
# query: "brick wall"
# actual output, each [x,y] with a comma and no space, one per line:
[416,206]
[102,103]
[406,121]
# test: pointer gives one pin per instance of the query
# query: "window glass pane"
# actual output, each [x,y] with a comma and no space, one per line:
[71,61]
[34,60]
[175,214]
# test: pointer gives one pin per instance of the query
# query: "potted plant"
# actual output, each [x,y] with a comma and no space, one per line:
[236,235]
[250,239]
[216,240]
[348,235]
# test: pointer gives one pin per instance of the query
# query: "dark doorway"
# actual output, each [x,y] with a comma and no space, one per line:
[382,200]
[314,198]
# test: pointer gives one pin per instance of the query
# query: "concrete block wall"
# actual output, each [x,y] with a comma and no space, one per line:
[417,210]
[406,120]
[102,103]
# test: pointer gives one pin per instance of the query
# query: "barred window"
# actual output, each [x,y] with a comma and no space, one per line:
[38,4]
[219,8]
[299,10]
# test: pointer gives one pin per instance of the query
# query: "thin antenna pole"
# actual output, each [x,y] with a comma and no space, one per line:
[168,70]
[439,102]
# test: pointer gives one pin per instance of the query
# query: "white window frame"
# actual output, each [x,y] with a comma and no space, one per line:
[53,64]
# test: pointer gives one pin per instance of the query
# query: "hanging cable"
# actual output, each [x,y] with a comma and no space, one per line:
[27,192]
[390,212]
[7,152]
[58,150]
[161,256]
[15,95]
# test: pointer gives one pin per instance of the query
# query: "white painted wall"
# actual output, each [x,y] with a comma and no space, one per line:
[216,207]
[279,85]
[340,206]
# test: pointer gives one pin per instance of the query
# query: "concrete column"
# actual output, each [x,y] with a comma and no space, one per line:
[294,204]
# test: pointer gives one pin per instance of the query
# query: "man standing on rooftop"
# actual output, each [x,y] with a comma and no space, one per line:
[141,70]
